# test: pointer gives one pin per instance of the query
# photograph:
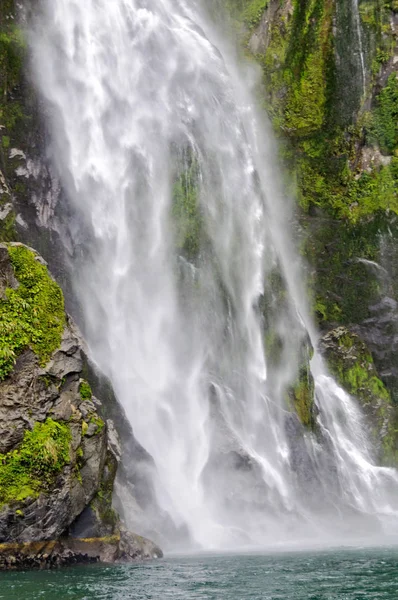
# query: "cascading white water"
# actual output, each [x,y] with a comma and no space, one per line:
[143,97]
[358,31]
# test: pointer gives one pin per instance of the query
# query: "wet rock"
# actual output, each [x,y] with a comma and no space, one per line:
[380,333]
[122,548]
[351,362]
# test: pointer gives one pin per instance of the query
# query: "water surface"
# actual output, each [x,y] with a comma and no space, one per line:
[334,575]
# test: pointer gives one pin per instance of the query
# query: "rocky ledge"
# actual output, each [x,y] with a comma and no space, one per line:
[58,457]
[121,548]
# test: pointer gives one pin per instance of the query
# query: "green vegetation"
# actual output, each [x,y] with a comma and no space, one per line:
[248,11]
[352,364]
[95,420]
[253,11]
[85,390]
[330,125]
[384,125]
[31,316]
[33,467]
[315,104]
[186,214]
[302,397]
[12,51]
[344,286]
[98,422]
[102,502]
[13,117]
[333,127]
[7,226]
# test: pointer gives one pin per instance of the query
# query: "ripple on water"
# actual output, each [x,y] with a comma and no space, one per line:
[334,575]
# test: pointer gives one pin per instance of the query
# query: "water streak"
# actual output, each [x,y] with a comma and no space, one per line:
[358,28]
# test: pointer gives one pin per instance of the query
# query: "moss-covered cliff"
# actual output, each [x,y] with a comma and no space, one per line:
[331,92]
[330,72]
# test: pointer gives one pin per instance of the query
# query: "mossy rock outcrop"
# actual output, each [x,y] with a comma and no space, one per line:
[58,456]
[301,394]
[350,361]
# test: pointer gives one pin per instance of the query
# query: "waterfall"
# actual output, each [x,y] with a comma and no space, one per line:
[184,263]
[358,30]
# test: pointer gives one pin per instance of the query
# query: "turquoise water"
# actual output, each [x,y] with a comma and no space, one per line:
[338,575]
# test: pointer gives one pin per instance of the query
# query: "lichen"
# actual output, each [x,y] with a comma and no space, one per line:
[32,315]
[32,468]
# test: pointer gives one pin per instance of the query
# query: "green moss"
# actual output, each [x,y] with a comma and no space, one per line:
[390,440]
[343,286]
[301,396]
[384,126]
[102,502]
[186,214]
[85,390]
[12,54]
[321,126]
[48,380]
[248,12]
[352,364]
[12,49]
[7,228]
[33,467]
[14,119]
[100,424]
[31,316]
[253,11]
[306,70]
[357,380]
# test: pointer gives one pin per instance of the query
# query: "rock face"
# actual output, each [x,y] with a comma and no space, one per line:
[58,457]
[352,364]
